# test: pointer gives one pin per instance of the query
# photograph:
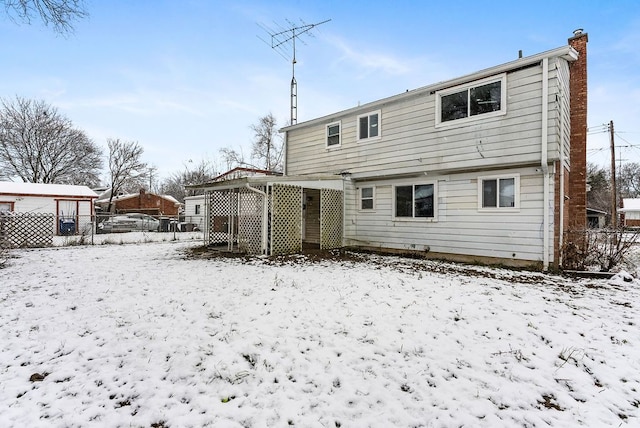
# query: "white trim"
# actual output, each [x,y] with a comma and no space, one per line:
[369,114]
[373,198]
[516,193]
[326,136]
[502,78]
[413,218]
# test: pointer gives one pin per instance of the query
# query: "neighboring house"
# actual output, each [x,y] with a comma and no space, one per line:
[631,211]
[596,219]
[142,202]
[194,212]
[486,167]
[196,208]
[71,205]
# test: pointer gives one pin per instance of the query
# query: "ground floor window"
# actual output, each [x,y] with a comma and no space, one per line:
[415,201]
[366,198]
[498,192]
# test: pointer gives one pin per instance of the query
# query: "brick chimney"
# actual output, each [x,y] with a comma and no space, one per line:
[578,116]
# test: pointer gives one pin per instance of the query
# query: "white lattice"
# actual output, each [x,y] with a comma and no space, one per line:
[331,203]
[250,221]
[222,215]
[26,229]
[286,219]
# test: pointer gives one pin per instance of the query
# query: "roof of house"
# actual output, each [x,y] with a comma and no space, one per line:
[241,171]
[566,52]
[41,189]
[630,204]
[135,195]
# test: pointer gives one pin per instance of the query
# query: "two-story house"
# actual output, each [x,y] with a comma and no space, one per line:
[486,167]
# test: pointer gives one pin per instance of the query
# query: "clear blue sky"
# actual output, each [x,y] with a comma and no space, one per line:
[186,78]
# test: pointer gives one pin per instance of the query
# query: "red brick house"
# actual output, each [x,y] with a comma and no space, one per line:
[142,202]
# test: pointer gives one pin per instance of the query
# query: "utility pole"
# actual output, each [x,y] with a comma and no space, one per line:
[614,189]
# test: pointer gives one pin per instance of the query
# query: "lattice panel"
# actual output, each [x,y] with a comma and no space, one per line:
[250,220]
[27,229]
[286,219]
[331,203]
[221,217]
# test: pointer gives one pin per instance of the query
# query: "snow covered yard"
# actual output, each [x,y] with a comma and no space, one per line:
[143,336]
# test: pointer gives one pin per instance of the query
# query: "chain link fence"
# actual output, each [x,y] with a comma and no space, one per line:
[31,230]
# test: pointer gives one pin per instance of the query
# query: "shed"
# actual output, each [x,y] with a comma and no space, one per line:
[596,219]
[71,205]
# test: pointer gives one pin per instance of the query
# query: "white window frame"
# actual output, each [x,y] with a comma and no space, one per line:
[502,78]
[197,210]
[361,198]
[329,125]
[368,115]
[497,208]
[413,217]
[10,204]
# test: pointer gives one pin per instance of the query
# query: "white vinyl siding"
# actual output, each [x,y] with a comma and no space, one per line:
[461,228]
[411,143]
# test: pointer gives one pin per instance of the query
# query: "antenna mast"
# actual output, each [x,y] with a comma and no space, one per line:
[278,40]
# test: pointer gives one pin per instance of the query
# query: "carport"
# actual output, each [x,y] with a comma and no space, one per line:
[274,215]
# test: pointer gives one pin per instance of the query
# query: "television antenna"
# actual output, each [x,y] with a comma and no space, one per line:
[283,38]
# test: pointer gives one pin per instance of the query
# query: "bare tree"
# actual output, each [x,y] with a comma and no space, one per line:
[629,180]
[267,145]
[233,158]
[39,145]
[266,149]
[126,168]
[58,13]
[599,194]
[200,173]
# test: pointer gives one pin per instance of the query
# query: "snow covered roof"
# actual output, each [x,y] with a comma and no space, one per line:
[40,189]
[630,204]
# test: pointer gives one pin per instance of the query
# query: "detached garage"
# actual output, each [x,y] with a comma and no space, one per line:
[70,206]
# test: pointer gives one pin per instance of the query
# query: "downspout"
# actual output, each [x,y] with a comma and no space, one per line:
[265,213]
[544,165]
[562,201]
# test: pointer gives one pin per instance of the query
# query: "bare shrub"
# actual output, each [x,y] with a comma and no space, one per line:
[601,249]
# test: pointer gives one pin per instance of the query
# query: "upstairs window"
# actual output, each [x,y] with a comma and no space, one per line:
[197,209]
[369,126]
[415,201]
[333,135]
[484,98]
[366,198]
[498,193]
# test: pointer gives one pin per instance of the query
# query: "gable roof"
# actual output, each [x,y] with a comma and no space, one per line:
[41,189]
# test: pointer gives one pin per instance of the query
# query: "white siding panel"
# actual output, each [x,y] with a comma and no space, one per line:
[461,228]
[410,139]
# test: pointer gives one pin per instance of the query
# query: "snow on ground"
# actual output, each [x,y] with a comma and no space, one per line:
[141,335]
